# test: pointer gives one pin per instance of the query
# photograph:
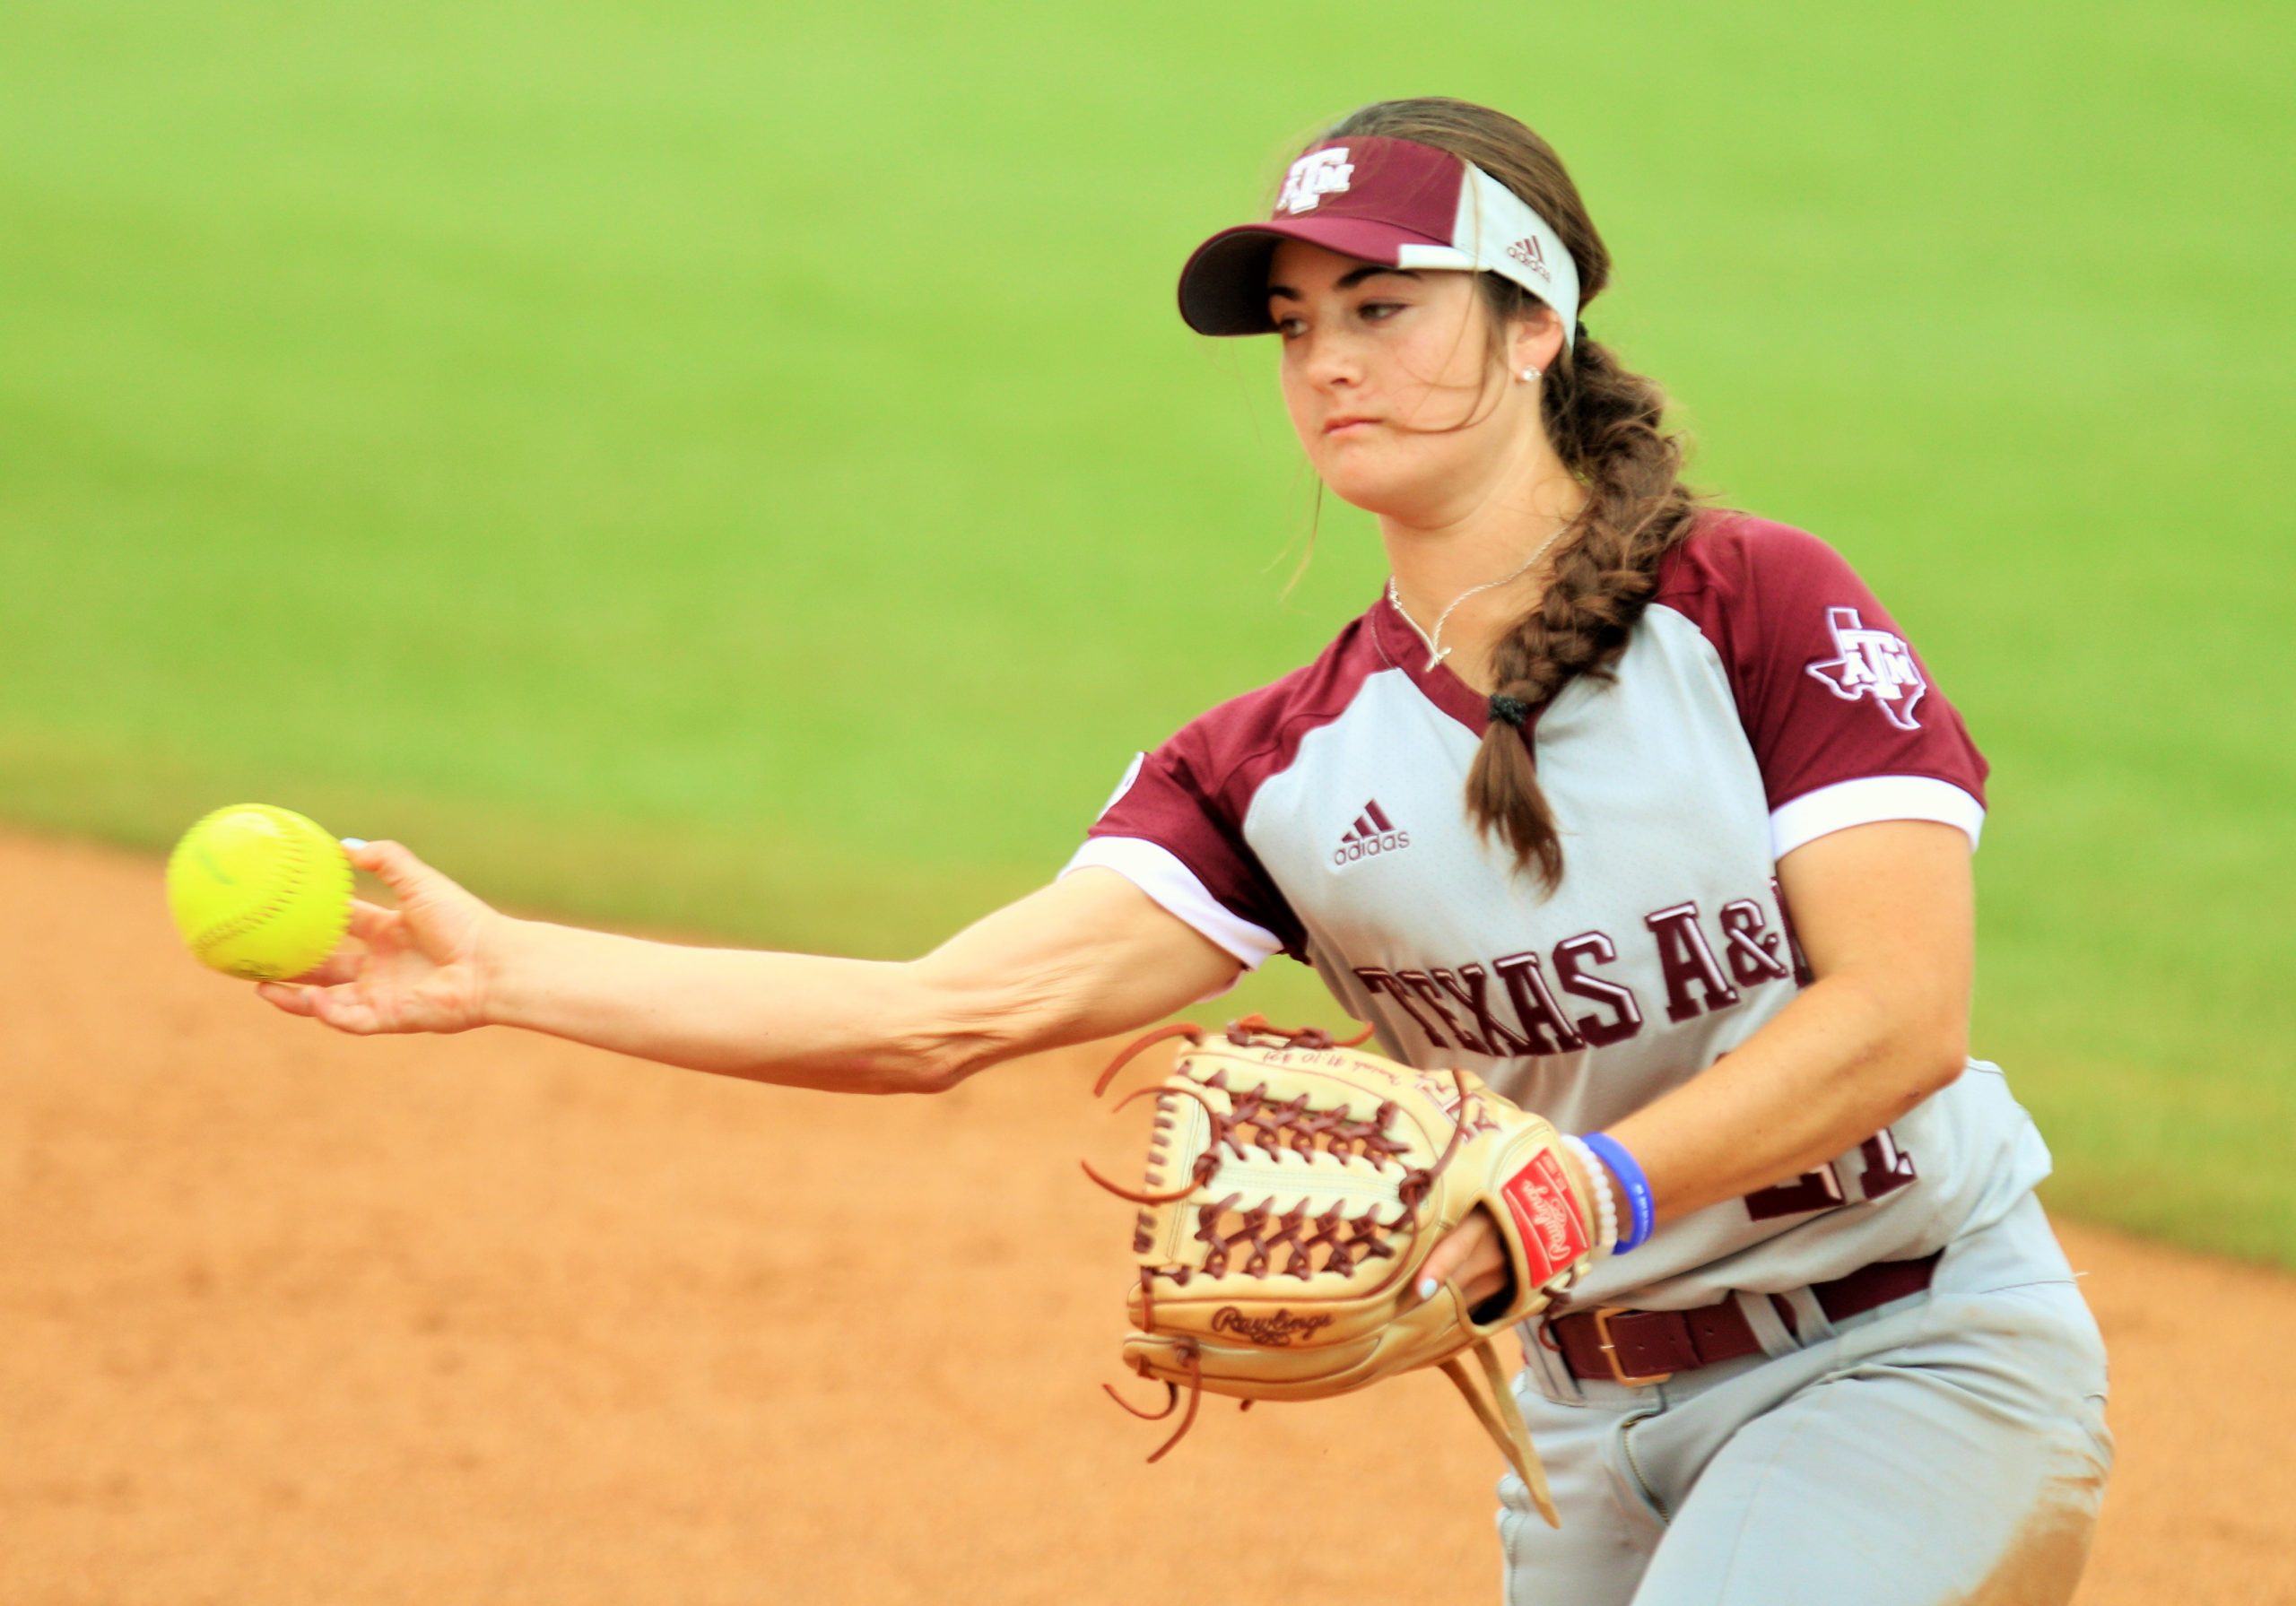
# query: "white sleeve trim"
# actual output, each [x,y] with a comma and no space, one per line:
[1866,801]
[1158,872]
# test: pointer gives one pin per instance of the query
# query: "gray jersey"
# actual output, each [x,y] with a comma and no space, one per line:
[1764,699]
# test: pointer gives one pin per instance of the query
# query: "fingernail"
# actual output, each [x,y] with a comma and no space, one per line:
[1427,1287]
[354,843]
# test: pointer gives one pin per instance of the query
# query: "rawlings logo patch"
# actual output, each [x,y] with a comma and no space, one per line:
[1277,1330]
[1553,1233]
[1871,664]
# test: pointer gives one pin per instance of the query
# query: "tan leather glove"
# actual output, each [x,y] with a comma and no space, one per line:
[1294,1188]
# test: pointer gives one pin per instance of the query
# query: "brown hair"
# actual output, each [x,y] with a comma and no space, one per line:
[1605,424]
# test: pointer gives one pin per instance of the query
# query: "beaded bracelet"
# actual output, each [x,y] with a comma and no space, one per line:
[1605,1203]
[1636,1185]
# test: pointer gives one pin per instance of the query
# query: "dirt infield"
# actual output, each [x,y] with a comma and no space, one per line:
[287,1317]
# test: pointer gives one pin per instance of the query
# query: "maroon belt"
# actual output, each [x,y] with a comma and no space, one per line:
[1637,1347]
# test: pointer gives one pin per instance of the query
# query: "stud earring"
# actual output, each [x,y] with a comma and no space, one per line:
[1529,375]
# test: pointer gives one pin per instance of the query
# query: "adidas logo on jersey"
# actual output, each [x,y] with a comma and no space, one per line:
[1372,833]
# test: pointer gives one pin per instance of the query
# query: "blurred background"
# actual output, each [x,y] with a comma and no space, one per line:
[738,467]
[736,472]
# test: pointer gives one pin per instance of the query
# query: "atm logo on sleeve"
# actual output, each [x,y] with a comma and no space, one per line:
[1872,663]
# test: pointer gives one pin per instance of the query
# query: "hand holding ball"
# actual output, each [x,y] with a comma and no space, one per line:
[259,892]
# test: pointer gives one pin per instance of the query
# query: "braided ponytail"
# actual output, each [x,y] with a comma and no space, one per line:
[1607,424]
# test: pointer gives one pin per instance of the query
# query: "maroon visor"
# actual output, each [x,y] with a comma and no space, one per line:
[1390,201]
[1363,197]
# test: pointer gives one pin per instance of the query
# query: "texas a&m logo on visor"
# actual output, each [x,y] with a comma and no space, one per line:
[1872,663]
[1316,175]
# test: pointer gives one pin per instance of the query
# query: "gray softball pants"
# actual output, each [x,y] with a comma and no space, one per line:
[1947,1447]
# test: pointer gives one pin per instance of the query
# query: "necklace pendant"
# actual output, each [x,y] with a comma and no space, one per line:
[1436,655]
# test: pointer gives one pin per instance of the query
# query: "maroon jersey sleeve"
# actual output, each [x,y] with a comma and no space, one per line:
[1843,720]
[1177,825]
[1175,829]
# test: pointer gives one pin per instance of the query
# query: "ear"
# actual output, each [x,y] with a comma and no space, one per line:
[1537,340]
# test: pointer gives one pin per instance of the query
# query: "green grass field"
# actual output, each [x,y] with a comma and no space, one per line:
[738,468]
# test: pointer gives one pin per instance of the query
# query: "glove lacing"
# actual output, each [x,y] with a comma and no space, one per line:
[1291,1123]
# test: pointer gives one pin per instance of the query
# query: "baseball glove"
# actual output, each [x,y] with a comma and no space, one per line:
[1295,1186]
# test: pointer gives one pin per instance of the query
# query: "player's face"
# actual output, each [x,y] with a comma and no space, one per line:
[1390,380]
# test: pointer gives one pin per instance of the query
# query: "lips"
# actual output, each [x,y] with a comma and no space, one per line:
[1346,422]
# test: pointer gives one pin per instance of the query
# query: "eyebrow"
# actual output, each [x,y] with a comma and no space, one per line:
[1347,280]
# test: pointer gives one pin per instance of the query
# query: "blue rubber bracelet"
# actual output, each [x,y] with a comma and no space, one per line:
[1623,1166]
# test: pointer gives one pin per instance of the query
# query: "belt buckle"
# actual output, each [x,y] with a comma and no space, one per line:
[1603,1315]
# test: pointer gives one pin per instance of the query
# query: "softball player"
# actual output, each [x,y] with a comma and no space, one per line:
[1541,810]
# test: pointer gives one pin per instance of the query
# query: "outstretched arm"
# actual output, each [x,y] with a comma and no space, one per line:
[1089,956]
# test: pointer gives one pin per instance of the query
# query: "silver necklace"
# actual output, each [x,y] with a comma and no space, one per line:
[1436,654]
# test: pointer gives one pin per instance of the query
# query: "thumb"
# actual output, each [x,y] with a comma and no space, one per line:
[397,868]
[444,921]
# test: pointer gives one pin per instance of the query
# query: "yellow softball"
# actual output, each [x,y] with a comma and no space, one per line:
[258,892]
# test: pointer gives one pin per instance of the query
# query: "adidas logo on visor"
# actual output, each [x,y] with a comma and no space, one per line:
[1527,252]
[1372,833]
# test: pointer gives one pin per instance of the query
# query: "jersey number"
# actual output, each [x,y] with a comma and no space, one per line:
[1884,1169]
